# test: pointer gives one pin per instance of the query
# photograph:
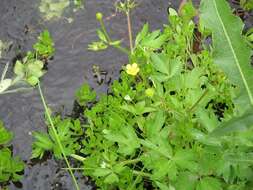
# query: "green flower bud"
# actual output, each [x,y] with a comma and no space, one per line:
[99,16]
[150,92]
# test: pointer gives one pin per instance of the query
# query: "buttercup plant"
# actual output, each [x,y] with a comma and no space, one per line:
[177,118]
[158,130]
[29,70]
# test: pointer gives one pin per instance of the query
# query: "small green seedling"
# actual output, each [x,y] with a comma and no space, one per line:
[10,167]
[45,45]
[68,132]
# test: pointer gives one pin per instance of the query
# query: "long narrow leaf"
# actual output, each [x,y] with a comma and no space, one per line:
[242,123]
[231,52]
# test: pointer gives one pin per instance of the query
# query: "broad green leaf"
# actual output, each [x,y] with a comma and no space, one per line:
[186,179]
[112,178]
[154,40]
[166,67]
[138,109]
[231,52]
[100,172]
[154,125]
[209,183]
[242,123]
[185,159]
[126,138]
[161,63]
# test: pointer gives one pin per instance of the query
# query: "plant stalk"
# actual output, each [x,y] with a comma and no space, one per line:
[130,30]
[104,30]
[57,137]
[77,157]
[198,101]
[143,174]
[130,161]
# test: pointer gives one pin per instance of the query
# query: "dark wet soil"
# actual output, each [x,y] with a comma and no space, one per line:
[22,113]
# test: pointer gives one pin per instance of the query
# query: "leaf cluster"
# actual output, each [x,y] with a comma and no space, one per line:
[163,141]
[171,126]
[68,131]
[10,167]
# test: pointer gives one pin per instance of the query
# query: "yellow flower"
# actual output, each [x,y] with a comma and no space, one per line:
[132,69]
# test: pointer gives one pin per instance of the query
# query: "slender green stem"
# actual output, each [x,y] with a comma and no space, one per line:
[78,157]
[137,179]
[129,30]
[72,168]
[57,137]
[104,31]
[124,50]
[130,161]
[140,173]
[16,90]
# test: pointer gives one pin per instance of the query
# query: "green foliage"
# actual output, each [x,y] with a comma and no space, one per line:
[235,61]
[68,132]
[45,45]
[172,124]
[84,95]
[231,52]
[164,140]
[30,69]
[10,167]
[125,5]
[246,4]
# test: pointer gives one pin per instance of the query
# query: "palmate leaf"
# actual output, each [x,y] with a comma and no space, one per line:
[231,52]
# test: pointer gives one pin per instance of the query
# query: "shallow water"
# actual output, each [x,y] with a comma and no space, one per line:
[22,113]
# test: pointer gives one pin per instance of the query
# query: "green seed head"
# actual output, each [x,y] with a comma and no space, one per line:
[99,16]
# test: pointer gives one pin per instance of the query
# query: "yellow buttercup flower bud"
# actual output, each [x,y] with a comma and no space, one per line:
[132,69]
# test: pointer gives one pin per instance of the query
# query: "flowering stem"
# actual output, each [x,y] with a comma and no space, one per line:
[130,30]
[57,137]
